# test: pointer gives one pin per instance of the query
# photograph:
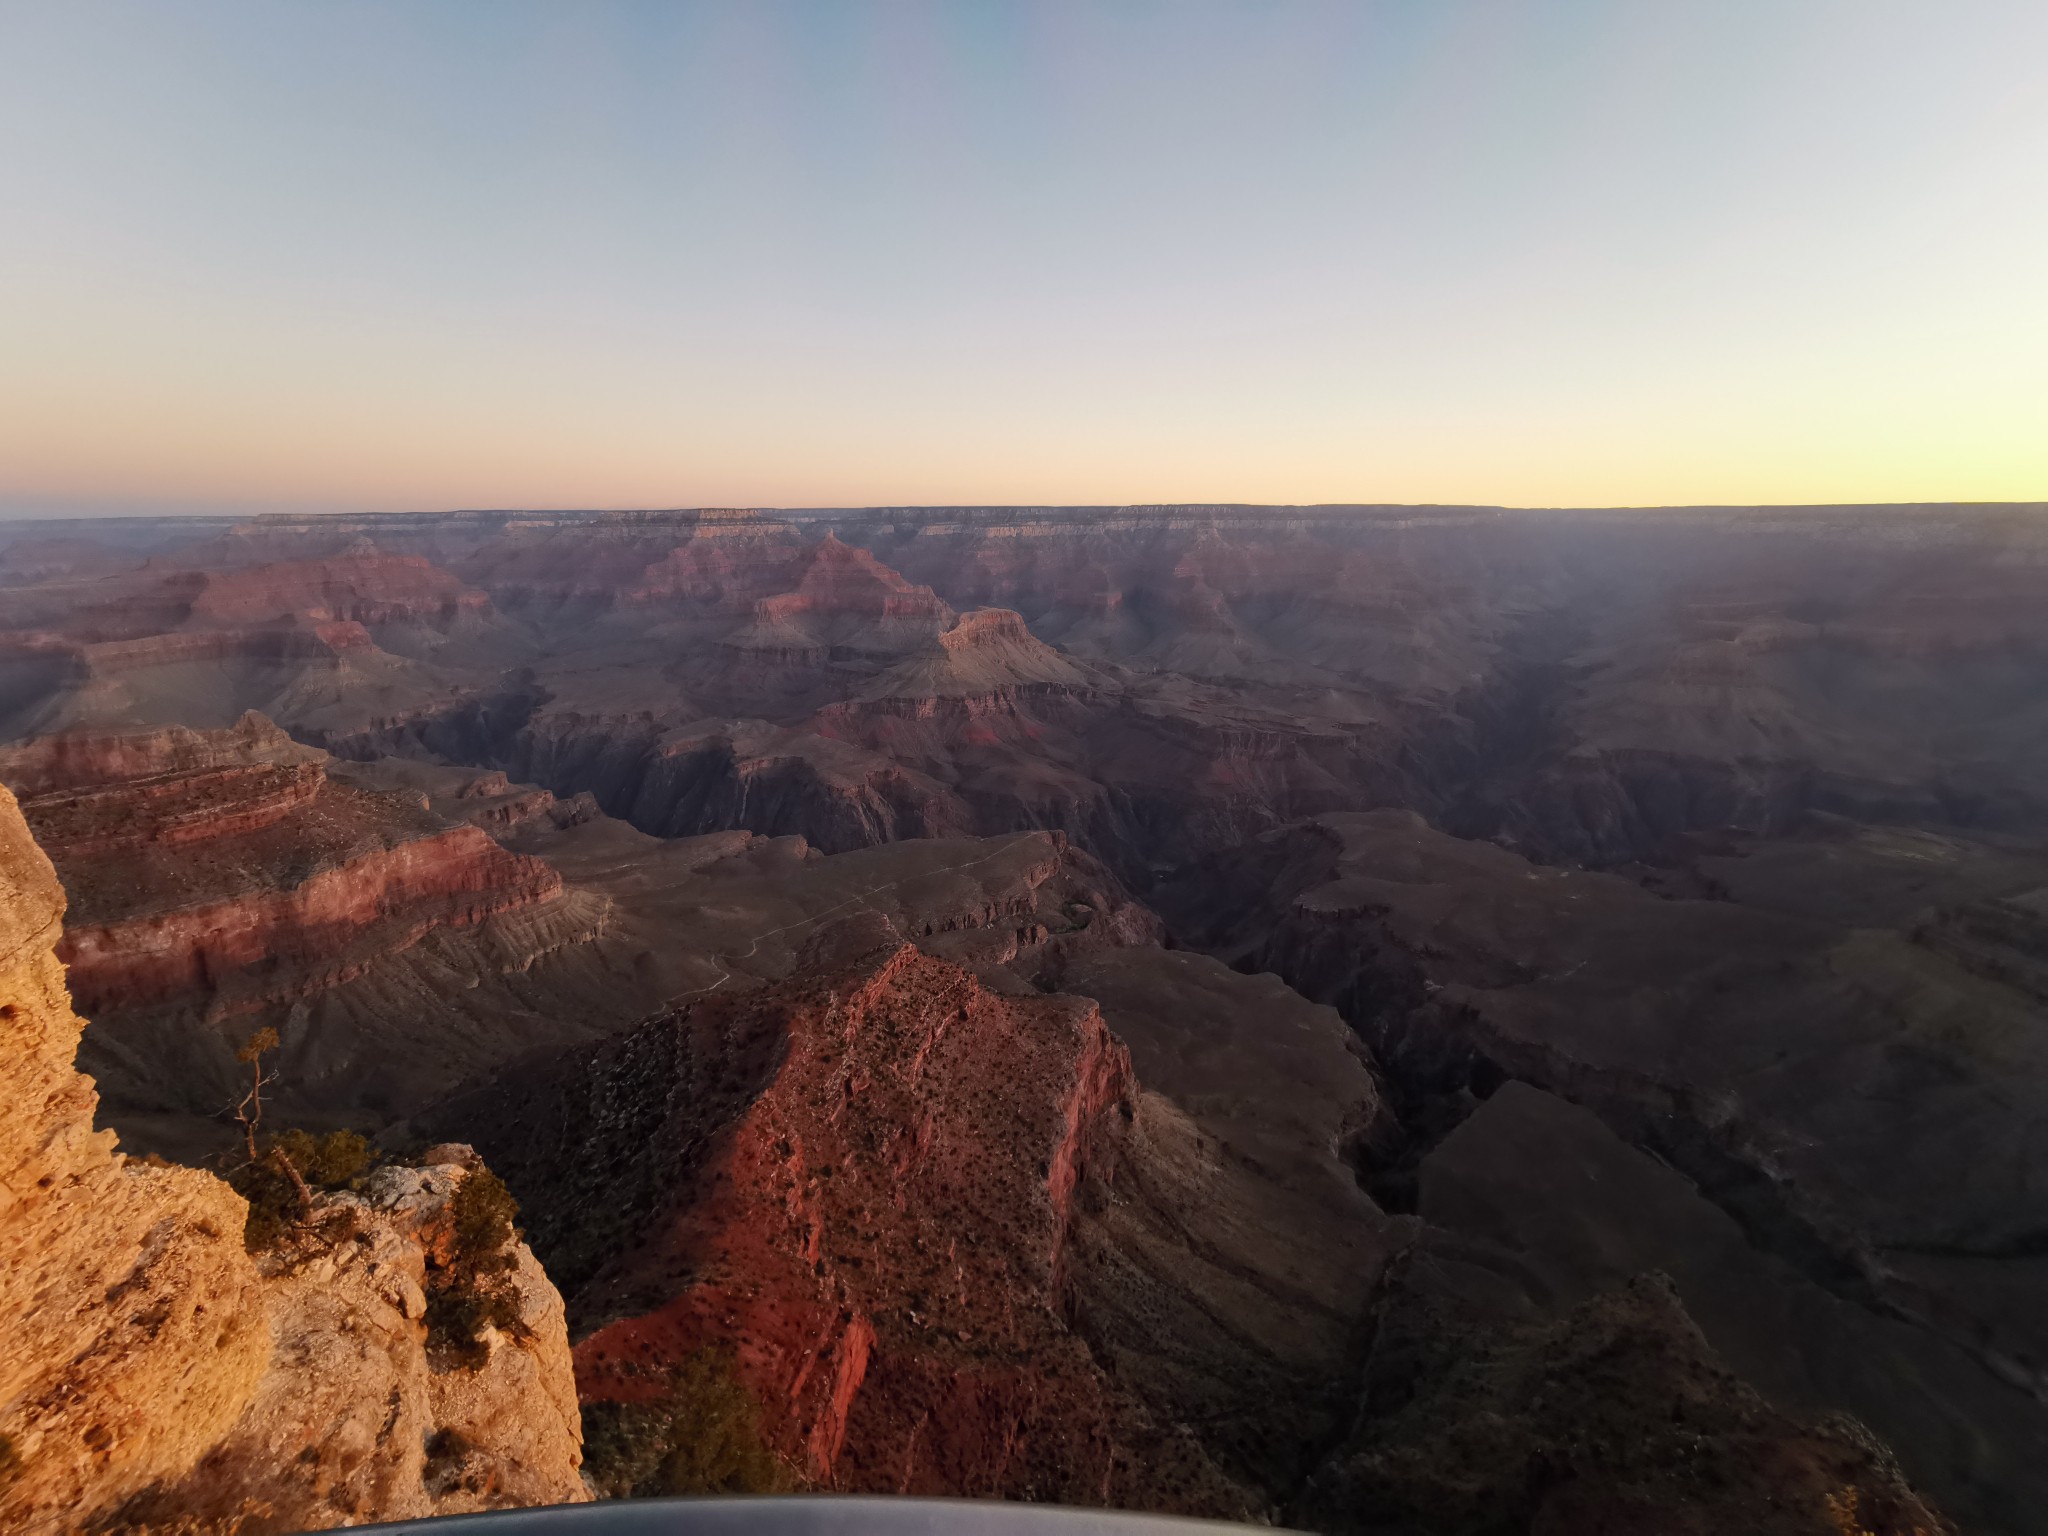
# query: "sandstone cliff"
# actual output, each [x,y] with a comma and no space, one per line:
[225,869]
[151,1370]
[133,1322]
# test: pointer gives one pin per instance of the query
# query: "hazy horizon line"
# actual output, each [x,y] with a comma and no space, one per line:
[201,514]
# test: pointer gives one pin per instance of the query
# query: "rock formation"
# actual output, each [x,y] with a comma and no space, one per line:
[283,881]
[1810,1047]
[1593,685]
[153,1372]
[218,876]
[193,644]
[1694,856]
[899,1198]
[1613,1417]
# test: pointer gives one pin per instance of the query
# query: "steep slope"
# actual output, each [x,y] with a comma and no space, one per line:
[151,1371]
[1843,1058]
[899,1197]
[1613,1418]
[1565,1335]
[376,922]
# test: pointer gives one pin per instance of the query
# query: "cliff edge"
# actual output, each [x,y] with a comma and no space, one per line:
[153,1370]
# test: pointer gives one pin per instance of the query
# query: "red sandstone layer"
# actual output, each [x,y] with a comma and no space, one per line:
[224,866]
[269,943]
[880,1232]
[169,810]
[73,760]
[360,589]
[728,565]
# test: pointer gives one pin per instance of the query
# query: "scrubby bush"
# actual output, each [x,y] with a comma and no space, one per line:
[483,1211]
[337,1160]
[703,1437]
[472,1289]
[286,1169]
[623,1444]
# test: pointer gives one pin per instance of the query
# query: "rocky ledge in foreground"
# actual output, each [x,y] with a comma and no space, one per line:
[154,1373]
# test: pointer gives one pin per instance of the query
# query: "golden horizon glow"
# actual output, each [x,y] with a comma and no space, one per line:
[351,259]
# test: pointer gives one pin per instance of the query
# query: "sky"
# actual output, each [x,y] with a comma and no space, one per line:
[356,255]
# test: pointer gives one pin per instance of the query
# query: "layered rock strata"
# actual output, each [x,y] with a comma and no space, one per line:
[1594,684]
[153,1372]
[226,869]
[176,642]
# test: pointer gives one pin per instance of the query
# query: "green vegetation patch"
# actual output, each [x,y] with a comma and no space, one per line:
[704,1437]
[340,1160]
[472,1288]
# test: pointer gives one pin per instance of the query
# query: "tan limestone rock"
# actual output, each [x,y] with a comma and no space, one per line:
[153,1372]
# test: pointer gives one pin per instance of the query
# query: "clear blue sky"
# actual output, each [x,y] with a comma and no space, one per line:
[359,254]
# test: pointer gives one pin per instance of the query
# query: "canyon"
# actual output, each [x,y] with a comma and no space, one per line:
[1336,1016]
